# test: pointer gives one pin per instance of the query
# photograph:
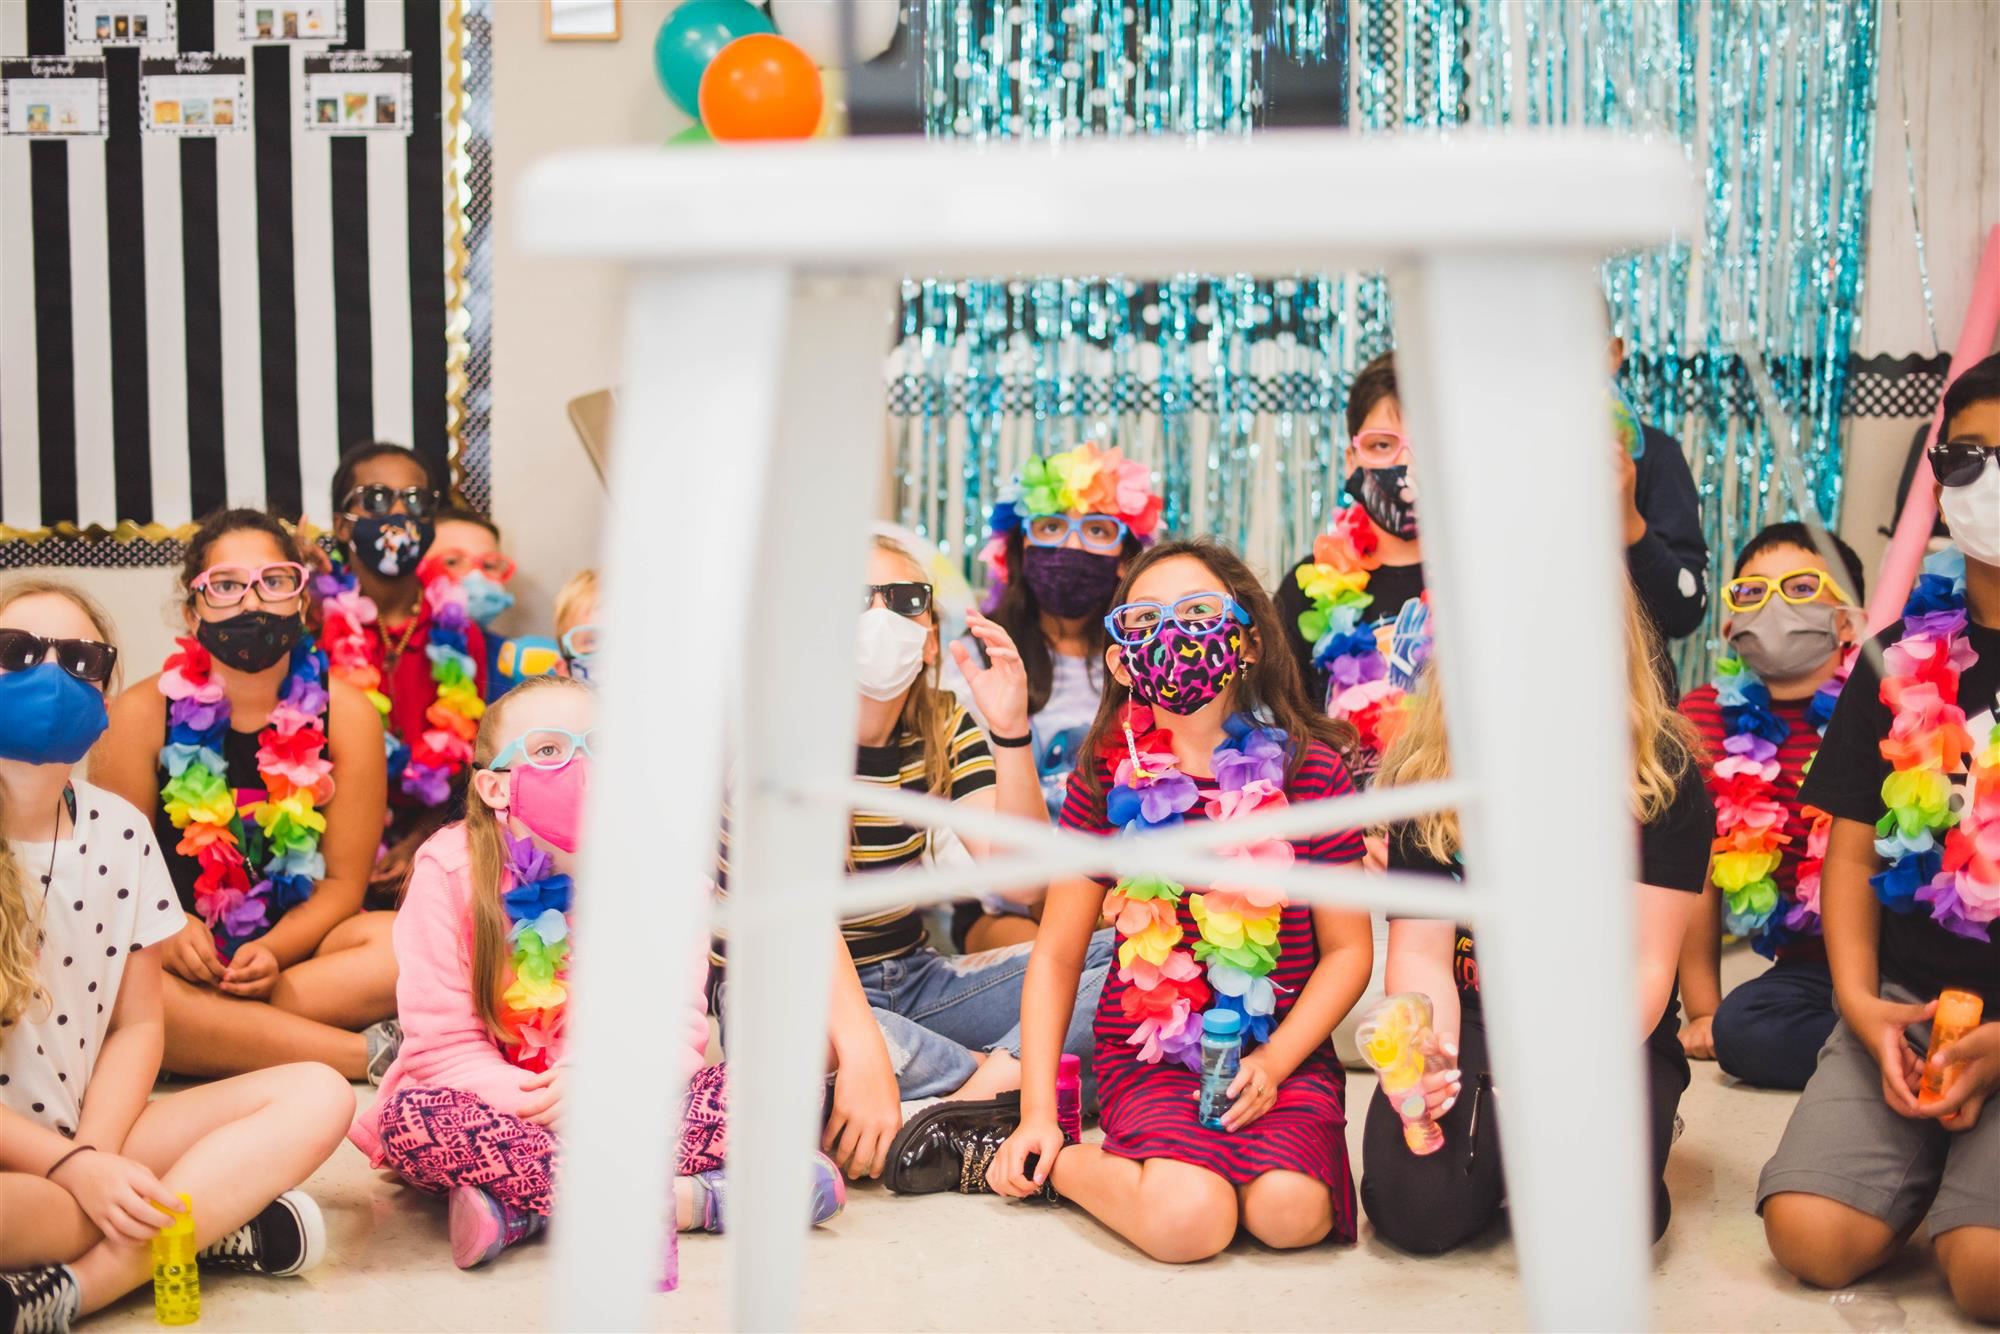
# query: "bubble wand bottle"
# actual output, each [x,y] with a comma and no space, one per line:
[1958,1013]
[1396,1039]
[176,1277]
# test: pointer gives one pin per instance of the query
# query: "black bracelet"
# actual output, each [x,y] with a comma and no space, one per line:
[81,1148]
[1010,742]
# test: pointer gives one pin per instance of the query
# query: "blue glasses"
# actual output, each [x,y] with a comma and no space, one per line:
[543,748]
[1197,613]
[1094,532]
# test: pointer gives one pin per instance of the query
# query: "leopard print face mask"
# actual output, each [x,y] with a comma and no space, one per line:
[1181,670]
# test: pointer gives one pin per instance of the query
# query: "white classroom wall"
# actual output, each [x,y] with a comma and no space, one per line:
[556,322]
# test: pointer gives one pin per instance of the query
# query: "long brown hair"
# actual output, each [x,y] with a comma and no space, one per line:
[1269,685]
[929,708]
[20,975]
[487,859]
[1664,744]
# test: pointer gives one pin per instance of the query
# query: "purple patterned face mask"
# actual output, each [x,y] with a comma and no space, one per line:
[1070,582]
[1182,670]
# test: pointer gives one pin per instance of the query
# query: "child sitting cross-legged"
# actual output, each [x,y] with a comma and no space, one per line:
[471,1105]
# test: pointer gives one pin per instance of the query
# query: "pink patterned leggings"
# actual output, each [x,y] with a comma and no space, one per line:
[437,1138]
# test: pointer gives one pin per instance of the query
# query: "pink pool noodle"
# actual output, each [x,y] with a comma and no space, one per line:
[1913,528]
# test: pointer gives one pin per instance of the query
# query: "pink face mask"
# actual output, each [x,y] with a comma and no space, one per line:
[550,801]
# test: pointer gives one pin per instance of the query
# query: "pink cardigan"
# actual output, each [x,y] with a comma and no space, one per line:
[444,1043]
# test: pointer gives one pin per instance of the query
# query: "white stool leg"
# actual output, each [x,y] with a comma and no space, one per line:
[797,727]
[702,360]
[1505,354]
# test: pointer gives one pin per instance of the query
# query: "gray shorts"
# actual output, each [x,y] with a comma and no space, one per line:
[1846,1144]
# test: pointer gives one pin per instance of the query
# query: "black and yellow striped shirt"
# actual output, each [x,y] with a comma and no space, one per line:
[878,842]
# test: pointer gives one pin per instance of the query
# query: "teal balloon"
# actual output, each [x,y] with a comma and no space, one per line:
[692,35]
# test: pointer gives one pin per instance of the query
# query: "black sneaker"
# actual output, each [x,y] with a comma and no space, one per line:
[288,1237]
[38,1301]
[949,1145]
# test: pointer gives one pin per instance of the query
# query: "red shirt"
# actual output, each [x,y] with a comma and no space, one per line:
[1801,743]
[409,686]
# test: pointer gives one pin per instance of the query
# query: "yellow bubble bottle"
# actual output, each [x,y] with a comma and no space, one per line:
[176,1277]
[1395,1037]
[1958,1013]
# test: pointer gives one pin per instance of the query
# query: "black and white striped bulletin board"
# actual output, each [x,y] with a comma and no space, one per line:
[205,303]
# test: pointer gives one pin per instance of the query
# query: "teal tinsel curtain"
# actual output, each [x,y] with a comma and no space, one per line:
[1233,386]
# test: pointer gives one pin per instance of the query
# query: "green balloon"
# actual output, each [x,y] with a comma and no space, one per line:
[692,137]
[691,36]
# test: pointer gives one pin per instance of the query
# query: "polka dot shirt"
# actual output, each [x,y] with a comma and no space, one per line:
[108,895]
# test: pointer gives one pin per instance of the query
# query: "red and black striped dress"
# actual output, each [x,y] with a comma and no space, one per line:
[1149,1110]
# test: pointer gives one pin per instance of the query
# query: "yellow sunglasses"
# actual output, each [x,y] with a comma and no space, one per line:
[1751,591]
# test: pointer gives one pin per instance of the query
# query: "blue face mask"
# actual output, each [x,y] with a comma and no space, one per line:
[484,599]
[48,716]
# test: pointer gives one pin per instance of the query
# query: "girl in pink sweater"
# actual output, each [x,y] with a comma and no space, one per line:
[471,1105]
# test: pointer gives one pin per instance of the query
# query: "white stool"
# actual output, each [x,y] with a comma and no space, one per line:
[749,445]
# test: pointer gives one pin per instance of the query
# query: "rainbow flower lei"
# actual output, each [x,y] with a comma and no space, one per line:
[537,989]
[1359,687]
[426,766]
[1941,838]
[1750,822]
[285,828]
[1084,480]
[1165,987]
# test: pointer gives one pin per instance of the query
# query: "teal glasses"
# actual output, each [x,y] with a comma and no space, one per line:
[543,748]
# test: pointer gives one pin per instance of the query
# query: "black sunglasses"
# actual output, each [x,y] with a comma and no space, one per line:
[378,500]
[1959,462]
[85,659]
[911,600]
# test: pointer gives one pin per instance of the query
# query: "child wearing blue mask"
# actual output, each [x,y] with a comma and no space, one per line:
[467,553]
[86,910]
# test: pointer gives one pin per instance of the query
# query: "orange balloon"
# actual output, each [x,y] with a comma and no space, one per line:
[761,87]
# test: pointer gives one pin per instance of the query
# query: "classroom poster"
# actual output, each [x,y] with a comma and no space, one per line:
[52,97]
[96,24]
[358,92]
[194,94]
[294,21]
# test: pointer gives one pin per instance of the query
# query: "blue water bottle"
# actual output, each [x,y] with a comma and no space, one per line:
[1221,1054]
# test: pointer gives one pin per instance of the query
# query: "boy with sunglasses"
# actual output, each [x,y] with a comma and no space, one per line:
[1910,774]
[1792,624]
[379,631]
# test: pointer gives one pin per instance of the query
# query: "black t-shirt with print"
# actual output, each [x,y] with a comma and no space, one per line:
[1846,781]
[1673,854]
[1391,586]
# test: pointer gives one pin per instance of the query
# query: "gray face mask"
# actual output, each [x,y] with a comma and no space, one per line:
[1782,641]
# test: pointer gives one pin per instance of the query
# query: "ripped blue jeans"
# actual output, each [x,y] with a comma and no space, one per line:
[936,1010]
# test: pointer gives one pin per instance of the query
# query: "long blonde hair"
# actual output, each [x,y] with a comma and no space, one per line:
[1664,744]
[20,973]
[487,859]
[929,708]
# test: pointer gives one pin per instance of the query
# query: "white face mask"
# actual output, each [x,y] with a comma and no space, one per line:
[889,652]
[1973,513]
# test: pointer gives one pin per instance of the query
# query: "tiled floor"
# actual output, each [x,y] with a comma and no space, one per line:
[945,1262]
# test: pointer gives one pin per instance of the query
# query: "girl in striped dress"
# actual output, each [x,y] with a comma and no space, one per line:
[1205,718]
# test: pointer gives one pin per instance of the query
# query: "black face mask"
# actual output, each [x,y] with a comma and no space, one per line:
[250,641]
[1070,583]
[391,546]
[1389,496]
